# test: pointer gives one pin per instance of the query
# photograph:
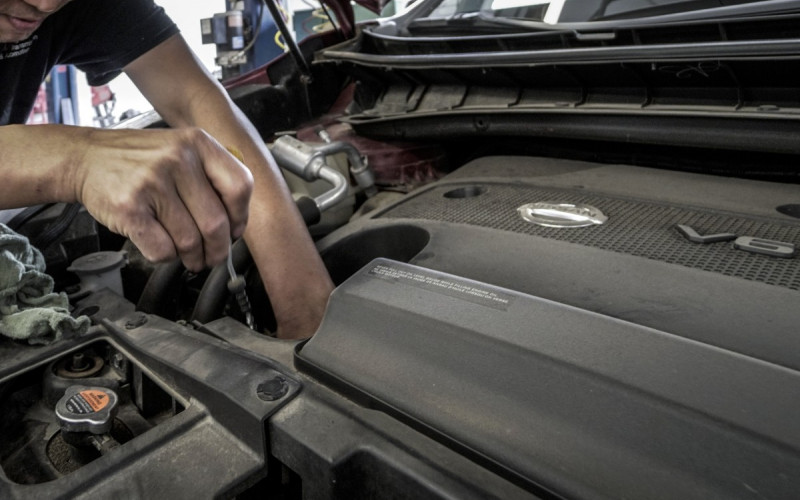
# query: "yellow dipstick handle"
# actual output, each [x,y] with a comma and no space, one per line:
[236,153]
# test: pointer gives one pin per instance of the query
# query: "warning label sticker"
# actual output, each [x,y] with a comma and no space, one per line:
[88,401]
[450,286]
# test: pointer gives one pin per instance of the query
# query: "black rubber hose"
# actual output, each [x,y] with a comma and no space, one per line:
[211,301]
[57,228]
[308,210]
[160,286]
[27,214]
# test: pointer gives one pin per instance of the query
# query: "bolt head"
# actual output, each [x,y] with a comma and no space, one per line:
[272,389]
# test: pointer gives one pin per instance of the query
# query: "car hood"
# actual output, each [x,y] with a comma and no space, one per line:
[674,82]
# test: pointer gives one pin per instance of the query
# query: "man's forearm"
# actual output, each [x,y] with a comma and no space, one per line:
[37,164]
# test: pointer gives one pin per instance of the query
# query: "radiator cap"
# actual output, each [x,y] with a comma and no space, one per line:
[87,409]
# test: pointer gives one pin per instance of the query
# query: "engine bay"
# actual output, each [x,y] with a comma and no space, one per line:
[565,259]
[466,352]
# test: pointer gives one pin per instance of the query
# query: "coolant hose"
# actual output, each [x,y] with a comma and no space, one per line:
[25,215]
[160,285]
[309,210]
[58,227]
[211,301]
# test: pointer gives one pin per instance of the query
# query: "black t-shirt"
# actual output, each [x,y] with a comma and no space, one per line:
[100,37]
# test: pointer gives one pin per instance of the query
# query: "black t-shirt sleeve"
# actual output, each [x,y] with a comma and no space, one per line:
[109,34]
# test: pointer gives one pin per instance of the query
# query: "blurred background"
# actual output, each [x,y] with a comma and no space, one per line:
[220,32]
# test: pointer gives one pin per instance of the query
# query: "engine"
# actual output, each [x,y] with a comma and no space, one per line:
[499,321]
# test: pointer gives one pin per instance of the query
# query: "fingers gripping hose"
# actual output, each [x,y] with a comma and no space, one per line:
[213,296]
[301,159]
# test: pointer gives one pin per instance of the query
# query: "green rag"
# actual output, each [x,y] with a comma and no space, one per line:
[29,309]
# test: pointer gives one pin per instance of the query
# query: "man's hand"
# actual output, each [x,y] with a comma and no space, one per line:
[172,192]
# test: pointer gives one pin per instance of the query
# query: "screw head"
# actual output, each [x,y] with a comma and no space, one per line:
[119,362]
[136,321]
[272,389]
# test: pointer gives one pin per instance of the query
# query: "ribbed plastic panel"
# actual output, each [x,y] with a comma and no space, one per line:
[633,227]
